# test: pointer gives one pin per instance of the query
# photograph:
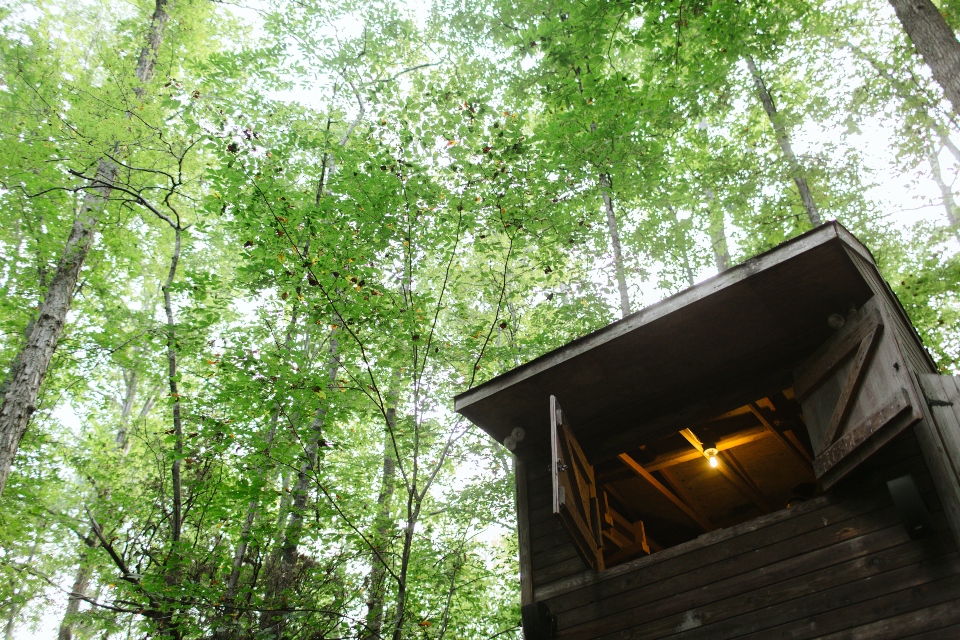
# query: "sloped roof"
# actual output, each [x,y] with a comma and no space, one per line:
[676,361]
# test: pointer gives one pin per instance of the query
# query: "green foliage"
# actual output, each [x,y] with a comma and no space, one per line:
[378,208]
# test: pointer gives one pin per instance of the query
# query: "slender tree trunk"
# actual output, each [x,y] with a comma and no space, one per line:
[684,250]
[177,515]
[289,554]
[718,242]
[85,571]
[921,108]
[378,570]
[32,363]
[605,187]
[11,619]
[935,41]
[253,508]
[413,516]
[130,382]
[80,584]
[148,54]
[783,139]
[949,202]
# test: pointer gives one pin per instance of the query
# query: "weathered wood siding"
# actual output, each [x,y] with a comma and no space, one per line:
[839,566]
[939,449]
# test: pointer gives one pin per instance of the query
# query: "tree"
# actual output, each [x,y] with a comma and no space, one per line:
[31,364]
[936,43]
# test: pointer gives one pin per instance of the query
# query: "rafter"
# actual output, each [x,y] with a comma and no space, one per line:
[743,483]
[643,473]
[799,453]
[729,442]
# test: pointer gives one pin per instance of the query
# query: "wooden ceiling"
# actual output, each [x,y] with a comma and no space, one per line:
[668,484]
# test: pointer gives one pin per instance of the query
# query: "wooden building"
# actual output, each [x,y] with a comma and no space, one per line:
[769,454]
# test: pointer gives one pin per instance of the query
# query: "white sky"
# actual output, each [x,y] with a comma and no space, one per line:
[905,200]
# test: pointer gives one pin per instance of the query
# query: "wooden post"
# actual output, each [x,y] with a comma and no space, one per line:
[523,532]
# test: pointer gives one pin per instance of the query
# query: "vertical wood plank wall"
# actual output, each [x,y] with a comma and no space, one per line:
[939,451]
[838,566]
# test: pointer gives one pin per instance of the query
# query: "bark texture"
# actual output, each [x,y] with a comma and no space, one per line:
[935,41]
[32,363]
[177,514]
[783,139]
[148,54]
[80,584]
[949,202]
[605,187]
[718,242]
[378,569]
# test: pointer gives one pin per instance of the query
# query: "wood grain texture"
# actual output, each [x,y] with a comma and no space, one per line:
[731,606]
[785,575]
[939,436]
[523,533]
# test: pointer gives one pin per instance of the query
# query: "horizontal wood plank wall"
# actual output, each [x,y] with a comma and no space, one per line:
[838,566]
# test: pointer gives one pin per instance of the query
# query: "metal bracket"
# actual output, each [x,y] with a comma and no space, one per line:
[933,402]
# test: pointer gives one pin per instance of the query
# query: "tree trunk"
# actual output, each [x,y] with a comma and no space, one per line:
[378,570]
[177,515]
[148,54]
[935,41]
[949,202]
[271,621]
[32,362]
[784,141]
[19,401]
[605,187]
[14,607]
[85,571]
[718,241]
[684,250]
[80,584]
[253,508]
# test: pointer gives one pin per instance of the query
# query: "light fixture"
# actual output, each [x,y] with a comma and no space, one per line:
[710,450]
[510,442]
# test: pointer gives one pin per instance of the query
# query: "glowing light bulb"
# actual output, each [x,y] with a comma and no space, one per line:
[710,450]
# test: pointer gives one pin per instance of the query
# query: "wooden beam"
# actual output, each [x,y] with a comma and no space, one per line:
[626,553]
[743,484]
[739,411]
[523,531]
[643,473]
[799,453]
[729,442]
[757,496]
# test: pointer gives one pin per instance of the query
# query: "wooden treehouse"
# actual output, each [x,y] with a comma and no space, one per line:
[768,454]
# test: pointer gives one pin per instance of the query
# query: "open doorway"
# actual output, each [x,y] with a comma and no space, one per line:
[734,467]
